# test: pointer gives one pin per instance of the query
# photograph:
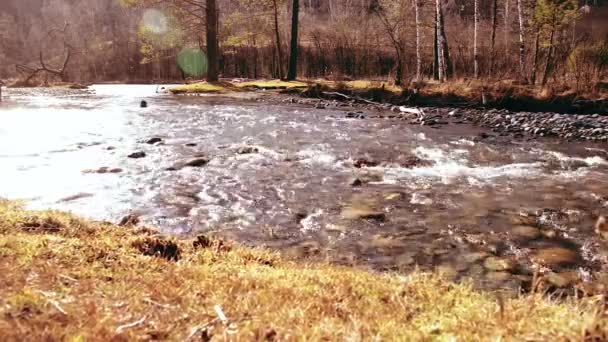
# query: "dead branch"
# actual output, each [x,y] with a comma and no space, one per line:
[32,72]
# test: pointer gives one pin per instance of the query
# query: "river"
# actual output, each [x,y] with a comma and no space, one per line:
[311,182]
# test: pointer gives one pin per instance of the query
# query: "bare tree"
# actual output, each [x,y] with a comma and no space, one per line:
[61,72]
[441,44]
[293,57]
[418,47]
[475,38]
[493,37]
[522,44]
[275,11]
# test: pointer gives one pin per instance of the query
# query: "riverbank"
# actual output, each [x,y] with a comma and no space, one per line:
[66,278]
[506,94]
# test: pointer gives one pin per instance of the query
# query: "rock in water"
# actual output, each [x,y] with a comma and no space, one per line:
[137,155]
[198,162]
[143,104]
[154,140]
[525,233]
[556,257]
[499,264]
[601,227]
[129,220]
[361,212]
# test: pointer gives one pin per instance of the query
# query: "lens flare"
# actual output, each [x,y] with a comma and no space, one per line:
[155,21]
[192,61]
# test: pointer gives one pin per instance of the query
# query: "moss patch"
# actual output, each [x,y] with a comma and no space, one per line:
[92,281]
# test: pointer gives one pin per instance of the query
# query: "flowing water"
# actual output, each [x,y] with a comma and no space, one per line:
[424,197]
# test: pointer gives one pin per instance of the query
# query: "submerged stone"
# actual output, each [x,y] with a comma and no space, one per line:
[499,264]
[557,256]
[562,280]
[525,233]
[137,155]
[363,213]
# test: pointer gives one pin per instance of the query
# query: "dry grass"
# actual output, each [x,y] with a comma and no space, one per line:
[227,87]
[64,278]
[201,88]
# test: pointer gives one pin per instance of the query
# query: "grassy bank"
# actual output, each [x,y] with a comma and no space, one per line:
[65,278]
[506,94]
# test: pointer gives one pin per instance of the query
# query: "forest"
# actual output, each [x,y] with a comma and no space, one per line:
[401,41]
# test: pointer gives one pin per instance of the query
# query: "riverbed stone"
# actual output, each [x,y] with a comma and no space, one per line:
[154,140]
[499,264]
[248,150]
[498,276]
[362,212]
[197,162]
[137,155]
[474,257]
[563,279]
[556,257]
[525,233]
[365,162]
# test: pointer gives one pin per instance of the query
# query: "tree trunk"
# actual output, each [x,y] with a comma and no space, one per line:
[278,37]
[536,50]
[212,43]
[493,37]
[441,65]
[293,57]
[475,38]
[549,64]
[418,52]
[435,51]
[506,28]
[522,45]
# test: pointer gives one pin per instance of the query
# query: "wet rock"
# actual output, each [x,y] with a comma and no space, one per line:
[137,155]
[474,257]
[601,227]
[355,182]
[154,140]
[525,233]
[360,212]
[362,162]
[562,280]
[129,220]
[549,233]
[357,115]
[411,162]
[392,196]
[143,104]
[197,162]
[103,170]
[556,257]
[191,144]
[248,150]
[499,264]
[76,197]
[110,148]
[498,276]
